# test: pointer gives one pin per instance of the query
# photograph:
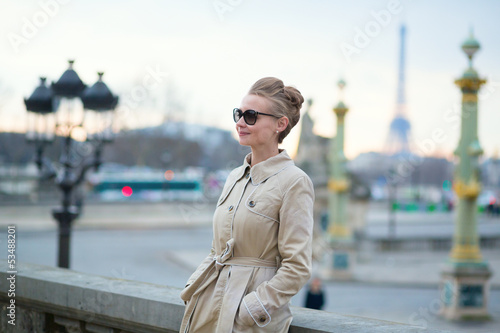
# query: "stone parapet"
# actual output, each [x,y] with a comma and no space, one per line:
[49,299]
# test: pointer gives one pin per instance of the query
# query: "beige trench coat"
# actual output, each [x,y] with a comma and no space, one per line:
[261,251]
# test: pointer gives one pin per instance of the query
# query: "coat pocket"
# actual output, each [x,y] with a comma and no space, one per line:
[265,201]
[264,206]
[252,311]
[243,318]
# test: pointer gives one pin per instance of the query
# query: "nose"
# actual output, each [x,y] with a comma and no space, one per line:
[241,123]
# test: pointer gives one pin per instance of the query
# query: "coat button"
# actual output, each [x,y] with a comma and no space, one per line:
[251,203]
[230,208]
[262,319]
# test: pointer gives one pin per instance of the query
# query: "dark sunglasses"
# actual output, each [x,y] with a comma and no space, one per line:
[249,116]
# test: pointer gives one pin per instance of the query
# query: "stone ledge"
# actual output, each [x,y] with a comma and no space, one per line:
[104,304]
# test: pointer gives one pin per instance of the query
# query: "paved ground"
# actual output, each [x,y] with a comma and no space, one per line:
[385,267]
[163,243]
[109,216]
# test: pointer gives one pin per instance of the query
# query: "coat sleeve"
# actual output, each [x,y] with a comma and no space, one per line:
[201,268]
[189,289]
[295,247]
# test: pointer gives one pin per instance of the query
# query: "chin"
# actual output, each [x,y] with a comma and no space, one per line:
[244,142]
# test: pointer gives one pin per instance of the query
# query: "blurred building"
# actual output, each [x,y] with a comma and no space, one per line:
[178,145]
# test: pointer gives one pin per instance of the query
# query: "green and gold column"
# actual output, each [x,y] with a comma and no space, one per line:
[464,287]
[339,260]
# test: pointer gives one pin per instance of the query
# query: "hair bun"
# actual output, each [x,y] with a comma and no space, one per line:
[295,97]
[285,100]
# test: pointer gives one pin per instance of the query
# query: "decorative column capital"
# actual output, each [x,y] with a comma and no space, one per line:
[467,191]
[340,110]
[470,84]
[338,185]
[339,231]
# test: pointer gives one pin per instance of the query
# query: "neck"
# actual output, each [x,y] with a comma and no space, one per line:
[260,154]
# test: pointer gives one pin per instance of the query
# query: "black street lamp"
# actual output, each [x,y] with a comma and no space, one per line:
[393,190]
[58,110]
[41,120]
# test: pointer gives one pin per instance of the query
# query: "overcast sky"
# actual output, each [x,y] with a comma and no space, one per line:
[195,60]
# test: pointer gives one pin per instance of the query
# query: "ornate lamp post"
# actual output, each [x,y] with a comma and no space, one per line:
[41,120]
[464,284]
[339,266]
[58,109]
[99,103]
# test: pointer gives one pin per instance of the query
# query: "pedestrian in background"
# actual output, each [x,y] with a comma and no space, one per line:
[315,297]
[262,227]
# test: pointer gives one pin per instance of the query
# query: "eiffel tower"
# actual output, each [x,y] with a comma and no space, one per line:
[398,140]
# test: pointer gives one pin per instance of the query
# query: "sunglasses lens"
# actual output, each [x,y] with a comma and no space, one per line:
[250,117]
[237,115]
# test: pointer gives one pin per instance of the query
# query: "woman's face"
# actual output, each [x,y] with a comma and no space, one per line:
[263,132]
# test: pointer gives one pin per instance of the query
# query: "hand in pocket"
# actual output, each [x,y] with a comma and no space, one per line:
[243,317]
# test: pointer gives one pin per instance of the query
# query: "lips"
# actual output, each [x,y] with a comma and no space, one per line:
[243,133]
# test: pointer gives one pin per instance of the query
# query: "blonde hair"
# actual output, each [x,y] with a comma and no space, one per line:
[285,101]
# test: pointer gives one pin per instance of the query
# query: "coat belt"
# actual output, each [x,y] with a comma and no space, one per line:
[245,261]
[211,273]
[226,259]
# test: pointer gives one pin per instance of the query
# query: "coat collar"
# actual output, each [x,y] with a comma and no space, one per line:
[265,169]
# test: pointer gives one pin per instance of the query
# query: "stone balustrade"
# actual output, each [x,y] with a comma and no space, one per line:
[49,299]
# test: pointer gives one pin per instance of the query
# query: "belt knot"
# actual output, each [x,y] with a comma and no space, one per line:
[225,255]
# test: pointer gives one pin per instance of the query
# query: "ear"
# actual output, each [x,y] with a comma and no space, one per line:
[282,124]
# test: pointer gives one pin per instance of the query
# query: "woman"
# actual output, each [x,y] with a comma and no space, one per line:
[261,249]
[315,297]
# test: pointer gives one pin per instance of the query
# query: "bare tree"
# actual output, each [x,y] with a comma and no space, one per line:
[4,98]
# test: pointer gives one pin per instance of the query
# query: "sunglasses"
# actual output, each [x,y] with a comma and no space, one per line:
[249,116]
